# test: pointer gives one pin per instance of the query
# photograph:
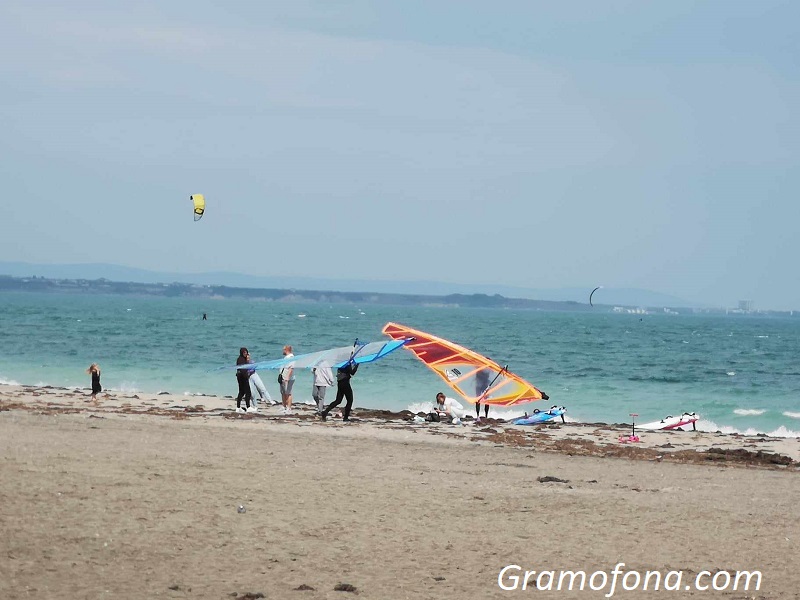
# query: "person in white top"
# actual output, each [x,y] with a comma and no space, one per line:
[449,408]
[323,378]
[287,381]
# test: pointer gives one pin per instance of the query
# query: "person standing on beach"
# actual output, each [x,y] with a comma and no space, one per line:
[481,385]
[94,371]
[243,379]
[323,377]
[343,390]
[257,388]
[286,381]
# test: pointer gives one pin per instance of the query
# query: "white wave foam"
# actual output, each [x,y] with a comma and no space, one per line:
[418,407]
[731,373]
[8,382]
[711,427]
[784,432]
[749,411]
[792,415]
[127,387]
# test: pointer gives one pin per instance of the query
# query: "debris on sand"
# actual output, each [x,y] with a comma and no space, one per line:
[551,479]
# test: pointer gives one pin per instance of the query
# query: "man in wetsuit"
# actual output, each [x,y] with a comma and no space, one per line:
[343,390]
[481,385]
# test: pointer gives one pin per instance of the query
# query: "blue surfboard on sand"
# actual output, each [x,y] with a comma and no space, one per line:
[541,416]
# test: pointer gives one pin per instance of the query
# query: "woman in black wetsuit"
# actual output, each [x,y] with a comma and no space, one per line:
[243,379]
[343,390]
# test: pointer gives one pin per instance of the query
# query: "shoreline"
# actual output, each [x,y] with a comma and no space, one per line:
[572,438]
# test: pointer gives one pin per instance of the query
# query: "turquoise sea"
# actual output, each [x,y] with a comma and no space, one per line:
[740,373]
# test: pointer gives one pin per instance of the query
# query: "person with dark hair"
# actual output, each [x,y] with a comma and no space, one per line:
[481,385]
[449,408]
[243,378]
[343,390]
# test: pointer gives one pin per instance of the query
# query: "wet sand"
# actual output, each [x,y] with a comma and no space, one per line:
[137,498]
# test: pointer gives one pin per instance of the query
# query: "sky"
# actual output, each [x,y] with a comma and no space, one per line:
[628,144]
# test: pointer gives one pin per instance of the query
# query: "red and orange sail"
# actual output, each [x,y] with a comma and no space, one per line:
[474,377]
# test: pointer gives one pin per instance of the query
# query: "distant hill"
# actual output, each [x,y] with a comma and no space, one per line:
[605,296]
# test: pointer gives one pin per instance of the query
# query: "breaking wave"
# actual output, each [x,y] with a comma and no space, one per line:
[780,432]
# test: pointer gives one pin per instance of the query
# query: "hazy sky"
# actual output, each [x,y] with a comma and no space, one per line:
[539,144]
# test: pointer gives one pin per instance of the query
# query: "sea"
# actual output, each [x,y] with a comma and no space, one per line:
[740,373]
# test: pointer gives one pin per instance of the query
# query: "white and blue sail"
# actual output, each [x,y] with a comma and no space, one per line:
[358,353]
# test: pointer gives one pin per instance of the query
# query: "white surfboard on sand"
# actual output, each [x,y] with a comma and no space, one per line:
[671,422]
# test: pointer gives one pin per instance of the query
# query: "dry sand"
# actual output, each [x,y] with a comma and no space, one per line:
[138,497]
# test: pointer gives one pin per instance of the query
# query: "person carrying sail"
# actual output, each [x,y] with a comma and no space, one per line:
[481,385]
[259,391]
[323,378]
[343,390]
[243,379]
[286,381]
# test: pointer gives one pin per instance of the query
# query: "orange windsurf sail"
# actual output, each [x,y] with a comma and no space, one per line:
[474,377]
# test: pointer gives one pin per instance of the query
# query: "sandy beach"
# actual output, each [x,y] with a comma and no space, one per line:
[138,497]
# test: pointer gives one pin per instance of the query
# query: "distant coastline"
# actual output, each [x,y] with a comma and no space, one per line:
[188,290]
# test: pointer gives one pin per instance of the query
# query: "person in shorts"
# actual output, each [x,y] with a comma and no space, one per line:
[286,380]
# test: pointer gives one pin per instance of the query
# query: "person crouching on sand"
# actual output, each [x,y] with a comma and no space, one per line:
[94,371]
[449,408]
